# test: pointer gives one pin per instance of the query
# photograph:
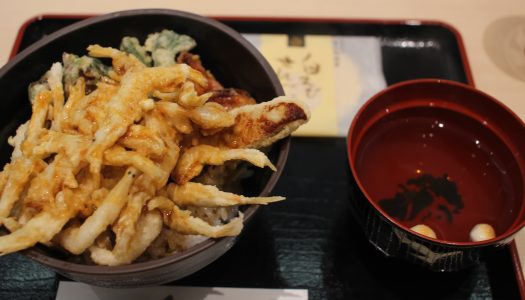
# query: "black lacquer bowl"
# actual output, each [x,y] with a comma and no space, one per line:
[233,61]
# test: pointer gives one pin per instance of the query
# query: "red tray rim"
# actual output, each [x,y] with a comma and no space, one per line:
[413,22]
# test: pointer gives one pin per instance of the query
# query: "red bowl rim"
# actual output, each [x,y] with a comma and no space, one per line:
[509,233]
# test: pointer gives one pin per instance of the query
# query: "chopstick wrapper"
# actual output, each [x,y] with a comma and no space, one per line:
[334,75]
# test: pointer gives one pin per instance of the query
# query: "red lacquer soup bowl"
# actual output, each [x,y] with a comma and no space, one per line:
[442,156]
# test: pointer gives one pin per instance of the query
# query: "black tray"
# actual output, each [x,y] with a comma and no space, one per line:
[311,241]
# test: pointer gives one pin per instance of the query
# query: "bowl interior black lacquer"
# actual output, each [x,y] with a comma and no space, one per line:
[233,61]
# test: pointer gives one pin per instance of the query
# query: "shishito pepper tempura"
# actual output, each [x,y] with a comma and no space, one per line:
[133,160]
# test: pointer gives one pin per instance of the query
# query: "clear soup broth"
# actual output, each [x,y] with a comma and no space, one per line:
[441,168]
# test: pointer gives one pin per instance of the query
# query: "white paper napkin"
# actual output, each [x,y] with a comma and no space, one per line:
[80,291]
[359,75]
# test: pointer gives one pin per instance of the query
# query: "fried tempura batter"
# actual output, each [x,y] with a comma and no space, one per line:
[231,98]
[90,170]
[195,158]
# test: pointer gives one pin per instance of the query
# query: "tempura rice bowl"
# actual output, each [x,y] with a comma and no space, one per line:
[237,63]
